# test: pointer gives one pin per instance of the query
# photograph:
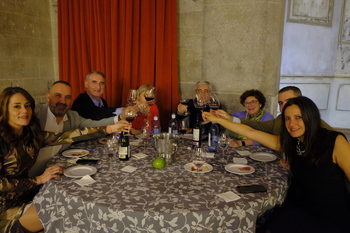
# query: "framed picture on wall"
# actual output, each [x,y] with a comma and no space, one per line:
[318,12]
[344,32]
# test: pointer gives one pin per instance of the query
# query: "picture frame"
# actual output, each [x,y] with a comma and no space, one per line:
[311,12]
[344,32]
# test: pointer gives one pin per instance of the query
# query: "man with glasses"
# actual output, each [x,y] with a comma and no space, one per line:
[273,126]
[203,90]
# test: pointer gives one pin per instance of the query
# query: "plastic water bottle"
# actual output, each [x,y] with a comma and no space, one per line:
[173,126]
[156,125]
[213,138]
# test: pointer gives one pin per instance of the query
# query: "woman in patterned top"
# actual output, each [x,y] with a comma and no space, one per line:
[20,141]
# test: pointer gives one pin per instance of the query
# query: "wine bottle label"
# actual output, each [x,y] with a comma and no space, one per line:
[196,134]
[123,152]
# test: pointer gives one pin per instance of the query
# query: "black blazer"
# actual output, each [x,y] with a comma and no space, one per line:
[87,109]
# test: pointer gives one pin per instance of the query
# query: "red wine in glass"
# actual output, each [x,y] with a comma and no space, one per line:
[184,101]
[149,98]
[129,119]
[214,108]
[183,131]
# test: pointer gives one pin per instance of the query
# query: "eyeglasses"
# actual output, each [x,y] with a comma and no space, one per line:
[253,102]
[202,91]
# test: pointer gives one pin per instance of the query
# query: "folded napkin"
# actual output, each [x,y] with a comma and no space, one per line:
[229,196]
[85,180]
[128,169]
[136,142]
[73,160]
[209,155]
[240,160]
[243,152]
[140,155]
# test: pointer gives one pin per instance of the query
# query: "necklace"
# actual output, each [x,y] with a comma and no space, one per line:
[299,151]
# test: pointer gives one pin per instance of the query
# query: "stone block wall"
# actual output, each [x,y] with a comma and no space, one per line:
[28,56]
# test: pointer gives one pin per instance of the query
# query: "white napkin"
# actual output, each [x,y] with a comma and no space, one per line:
[128,169]
[229,196]
[240,160]
[209,155]
[140,155]
[136,142]
[243,152]
[73,160]
[85,180]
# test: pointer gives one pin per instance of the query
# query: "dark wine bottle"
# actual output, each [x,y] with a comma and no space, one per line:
[124,147]
[197,132]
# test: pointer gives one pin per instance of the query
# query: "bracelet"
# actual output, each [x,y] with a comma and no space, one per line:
[243,143]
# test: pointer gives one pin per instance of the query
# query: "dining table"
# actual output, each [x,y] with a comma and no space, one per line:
[172,199]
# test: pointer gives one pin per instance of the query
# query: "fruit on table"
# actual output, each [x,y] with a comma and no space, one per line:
[158,163]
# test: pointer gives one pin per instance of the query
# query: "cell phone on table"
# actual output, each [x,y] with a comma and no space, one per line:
[88,161]
[254,188]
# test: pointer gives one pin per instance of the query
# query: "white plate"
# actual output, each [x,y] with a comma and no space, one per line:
[205,168]
[263,157]
[79,171]
[75,153]
[236,168]
[103,140]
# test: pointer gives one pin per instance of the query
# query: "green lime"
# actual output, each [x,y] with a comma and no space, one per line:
[158,163]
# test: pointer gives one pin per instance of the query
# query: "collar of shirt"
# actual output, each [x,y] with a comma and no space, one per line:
[96,103]
[51,123]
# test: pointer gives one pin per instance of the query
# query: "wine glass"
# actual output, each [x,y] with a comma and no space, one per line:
[185,102]
[131,112]
[183,127]
[150,95]
[111,150]
[214,102]
[198,158]
[145,134]
[223,143]
[200,103]
[132,97]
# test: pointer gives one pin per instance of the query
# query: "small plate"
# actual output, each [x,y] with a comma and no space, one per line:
[79,171]
[240,169]
[205,168]
[75,153]
[263,157]
[103,140]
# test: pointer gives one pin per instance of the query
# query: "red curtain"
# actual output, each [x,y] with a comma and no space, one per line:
[133,42]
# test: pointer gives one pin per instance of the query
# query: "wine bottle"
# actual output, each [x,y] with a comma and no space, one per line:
[156,125]
[213,138]
[124,147]
[197,132]
[173,126]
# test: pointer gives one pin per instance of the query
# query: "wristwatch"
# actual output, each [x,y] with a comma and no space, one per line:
[243,143]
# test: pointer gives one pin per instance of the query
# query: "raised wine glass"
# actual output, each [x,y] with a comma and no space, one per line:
[214,102]
[132,97]
[150,95]
[131,112]
[185,101]
[200,103]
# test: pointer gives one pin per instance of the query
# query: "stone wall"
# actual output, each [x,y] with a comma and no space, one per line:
[234,44]
[28,55]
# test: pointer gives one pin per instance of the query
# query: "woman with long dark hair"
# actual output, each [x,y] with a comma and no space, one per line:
[20,141]
[319,161]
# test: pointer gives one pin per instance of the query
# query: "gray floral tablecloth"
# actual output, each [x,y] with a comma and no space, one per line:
[152,200]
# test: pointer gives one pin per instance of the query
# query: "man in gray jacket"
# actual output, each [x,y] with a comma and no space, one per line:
[56,117]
